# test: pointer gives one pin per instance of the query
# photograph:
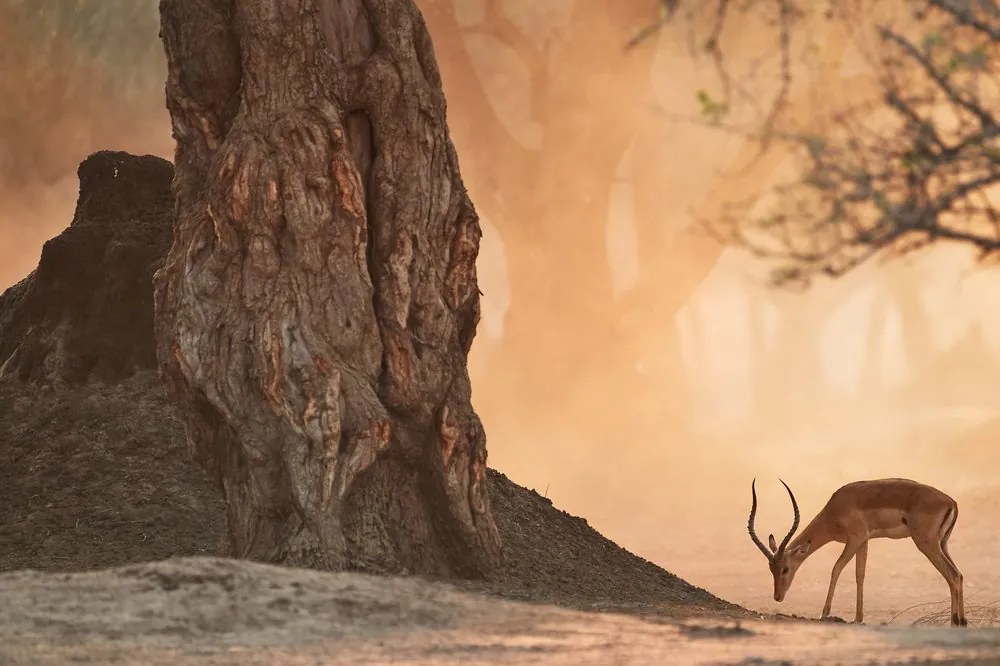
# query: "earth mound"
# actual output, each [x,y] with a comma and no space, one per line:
[86,311]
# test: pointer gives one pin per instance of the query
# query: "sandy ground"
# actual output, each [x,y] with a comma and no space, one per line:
[212,611]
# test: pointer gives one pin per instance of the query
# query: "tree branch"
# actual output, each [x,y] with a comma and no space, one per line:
[935,75]
[964,16]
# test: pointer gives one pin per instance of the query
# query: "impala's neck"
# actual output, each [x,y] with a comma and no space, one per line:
[815,533]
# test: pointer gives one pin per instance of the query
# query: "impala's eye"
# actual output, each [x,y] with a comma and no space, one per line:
[785,570]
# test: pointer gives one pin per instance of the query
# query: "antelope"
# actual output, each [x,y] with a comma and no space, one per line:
[857,512]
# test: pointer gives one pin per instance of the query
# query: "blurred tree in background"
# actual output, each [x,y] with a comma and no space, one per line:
[76,75]
[121,36]
[915,161]
[914,164]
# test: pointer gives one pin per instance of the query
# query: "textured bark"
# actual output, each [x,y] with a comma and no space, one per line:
[317,307]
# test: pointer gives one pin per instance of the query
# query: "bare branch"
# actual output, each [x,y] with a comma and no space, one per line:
[962,13]
[872,183]
[938,77]
[669,7]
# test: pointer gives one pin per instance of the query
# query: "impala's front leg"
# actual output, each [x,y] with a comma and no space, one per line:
[849,550]
[860,560]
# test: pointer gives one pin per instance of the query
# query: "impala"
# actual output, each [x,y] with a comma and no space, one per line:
[857,512]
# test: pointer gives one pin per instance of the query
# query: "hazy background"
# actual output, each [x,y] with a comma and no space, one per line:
[627,366]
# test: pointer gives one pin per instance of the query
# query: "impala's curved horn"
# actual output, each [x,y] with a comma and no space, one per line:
[795,520]
[753,513]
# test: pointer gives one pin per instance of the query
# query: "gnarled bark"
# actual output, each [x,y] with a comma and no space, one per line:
[316,309]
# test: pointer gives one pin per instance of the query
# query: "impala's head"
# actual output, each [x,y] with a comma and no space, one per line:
[781,560]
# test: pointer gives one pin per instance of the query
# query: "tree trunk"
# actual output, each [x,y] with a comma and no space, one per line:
[317,307]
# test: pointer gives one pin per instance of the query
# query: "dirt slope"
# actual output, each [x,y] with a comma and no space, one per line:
[97,475]
[86,312]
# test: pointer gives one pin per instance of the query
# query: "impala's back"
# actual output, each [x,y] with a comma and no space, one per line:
[885,507]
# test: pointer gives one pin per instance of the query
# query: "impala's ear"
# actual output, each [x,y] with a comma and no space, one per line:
[772,543]
[804,548]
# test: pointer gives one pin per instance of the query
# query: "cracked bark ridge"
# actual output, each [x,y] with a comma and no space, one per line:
[86,312]
[317,306]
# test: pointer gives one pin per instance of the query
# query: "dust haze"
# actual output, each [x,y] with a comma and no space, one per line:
[73,80]
[702,377]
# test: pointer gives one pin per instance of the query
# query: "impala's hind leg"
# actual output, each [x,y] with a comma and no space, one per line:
[931,542]
[944,549]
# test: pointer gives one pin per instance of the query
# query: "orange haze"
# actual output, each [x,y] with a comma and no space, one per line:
[892,371]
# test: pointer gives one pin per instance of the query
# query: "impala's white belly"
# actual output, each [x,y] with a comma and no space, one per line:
[895,532]
[886,524]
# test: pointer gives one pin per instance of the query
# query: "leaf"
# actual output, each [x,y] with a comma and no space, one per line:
[771,221]
[787,275]
[710,108]
[816,145]
[976,58]
[933,39]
